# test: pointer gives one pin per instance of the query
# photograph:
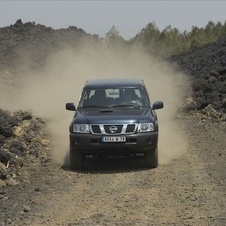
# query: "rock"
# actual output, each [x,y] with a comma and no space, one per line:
[224,102]
[37,189]
[17,147]
[2,139]
[189,105]
[2,183]
[27,116]
[26,209]
[11,182]
[18,131]
[2,170]
[18,22]
[5,156]
[45,142]
[211,79]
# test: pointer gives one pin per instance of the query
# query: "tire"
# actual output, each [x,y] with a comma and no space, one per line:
[76,160]
[151,158]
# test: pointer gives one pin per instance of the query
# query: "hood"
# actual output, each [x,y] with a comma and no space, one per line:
[119,115]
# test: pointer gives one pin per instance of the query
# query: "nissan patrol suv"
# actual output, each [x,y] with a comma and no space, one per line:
[114,117]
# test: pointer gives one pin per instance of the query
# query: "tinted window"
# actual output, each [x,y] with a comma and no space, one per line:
[111,97]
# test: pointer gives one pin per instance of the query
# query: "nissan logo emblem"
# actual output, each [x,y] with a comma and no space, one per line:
[113,129]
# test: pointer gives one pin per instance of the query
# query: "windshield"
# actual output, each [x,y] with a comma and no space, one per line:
[110,97]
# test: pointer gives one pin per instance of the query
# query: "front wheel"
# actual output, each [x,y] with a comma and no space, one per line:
[151,158]
[76,160]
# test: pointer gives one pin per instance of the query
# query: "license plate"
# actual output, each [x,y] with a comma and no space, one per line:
[113,139]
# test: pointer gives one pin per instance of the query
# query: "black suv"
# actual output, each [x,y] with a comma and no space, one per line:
[114,117]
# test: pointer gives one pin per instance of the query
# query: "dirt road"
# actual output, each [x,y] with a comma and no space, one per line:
[189,190]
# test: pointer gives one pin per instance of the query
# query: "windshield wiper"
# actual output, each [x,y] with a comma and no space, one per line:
[125,106]
[96,106]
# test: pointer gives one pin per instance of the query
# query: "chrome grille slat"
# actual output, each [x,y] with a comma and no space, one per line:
[118,129]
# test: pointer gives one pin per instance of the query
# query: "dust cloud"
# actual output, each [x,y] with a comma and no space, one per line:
[62,79]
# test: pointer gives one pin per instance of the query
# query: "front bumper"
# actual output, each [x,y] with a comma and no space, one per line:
[135,143]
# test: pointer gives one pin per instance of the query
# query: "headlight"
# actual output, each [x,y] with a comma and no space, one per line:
[145,127]
[80,128]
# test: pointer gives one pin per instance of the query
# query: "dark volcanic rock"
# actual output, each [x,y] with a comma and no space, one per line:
[24,43]
[207,69]
[7,123]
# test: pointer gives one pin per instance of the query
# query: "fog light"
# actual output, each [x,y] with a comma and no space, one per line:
[77,141]
[148,139]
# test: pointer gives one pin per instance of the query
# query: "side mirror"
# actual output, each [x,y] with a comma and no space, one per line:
[157,105]
[70,107]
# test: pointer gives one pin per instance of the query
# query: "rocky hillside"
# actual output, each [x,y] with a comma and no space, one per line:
[30,42]
[207,69]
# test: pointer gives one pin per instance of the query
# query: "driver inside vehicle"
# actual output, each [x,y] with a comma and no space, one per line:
[130,97]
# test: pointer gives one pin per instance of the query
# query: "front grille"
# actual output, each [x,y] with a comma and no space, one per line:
[130,128]
[96,129]
[113,129]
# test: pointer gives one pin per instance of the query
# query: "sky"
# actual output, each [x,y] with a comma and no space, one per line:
[98,17]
